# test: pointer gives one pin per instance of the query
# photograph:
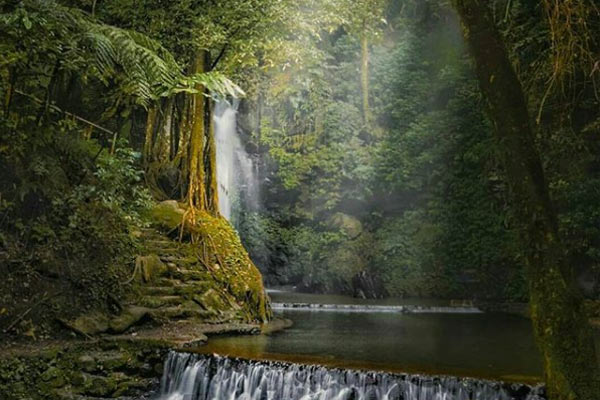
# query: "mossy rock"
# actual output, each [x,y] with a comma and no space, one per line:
[89,325]
[167,214]
[151,267]
[129,317]
[100,386]
[53,377]
[211,300]
[87,363]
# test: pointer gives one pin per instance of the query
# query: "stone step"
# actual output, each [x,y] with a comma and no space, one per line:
[180,261]
[168,282]
[179,290]
[190,275]
[160,301]
[188,310]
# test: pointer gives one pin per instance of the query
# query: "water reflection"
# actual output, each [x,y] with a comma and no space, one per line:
[484,345]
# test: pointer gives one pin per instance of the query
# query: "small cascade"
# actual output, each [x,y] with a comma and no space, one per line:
[236,171]
[409,309]
[199,377]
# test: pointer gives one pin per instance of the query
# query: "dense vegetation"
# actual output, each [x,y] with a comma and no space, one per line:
[392,161]
[84,148]
[422,181]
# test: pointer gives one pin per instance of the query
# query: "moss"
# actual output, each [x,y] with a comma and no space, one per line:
[210,300]
[151,267]
[82,368]
[230,265]
[167,214]
[219,259]
[91,324]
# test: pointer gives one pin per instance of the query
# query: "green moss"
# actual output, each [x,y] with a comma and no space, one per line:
[230,265]
[167,214]
[150,267]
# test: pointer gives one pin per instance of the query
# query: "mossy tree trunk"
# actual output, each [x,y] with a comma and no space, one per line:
[196,191]
[211,164]
[150,127]
[182,137]
[560,323]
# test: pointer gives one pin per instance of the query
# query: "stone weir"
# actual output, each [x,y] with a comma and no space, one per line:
[370,308]
[200,377]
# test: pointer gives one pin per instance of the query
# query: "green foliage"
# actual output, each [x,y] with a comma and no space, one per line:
[313,258]
[68,212]
[423,180]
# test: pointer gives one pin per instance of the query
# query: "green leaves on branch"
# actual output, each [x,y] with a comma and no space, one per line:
[39,33]
[216,83]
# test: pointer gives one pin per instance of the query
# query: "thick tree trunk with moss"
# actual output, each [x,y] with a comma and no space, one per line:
[560,323]
[211,165]
[196,193]
[150,127]
[184,139]
[364,78]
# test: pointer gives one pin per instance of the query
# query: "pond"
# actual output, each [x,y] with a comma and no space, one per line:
[432,341]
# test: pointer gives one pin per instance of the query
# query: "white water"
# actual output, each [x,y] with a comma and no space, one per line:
[236,170]
[197,377]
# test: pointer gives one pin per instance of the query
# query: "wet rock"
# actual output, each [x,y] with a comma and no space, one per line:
[276,325]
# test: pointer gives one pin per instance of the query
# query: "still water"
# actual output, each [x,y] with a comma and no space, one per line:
[484,345]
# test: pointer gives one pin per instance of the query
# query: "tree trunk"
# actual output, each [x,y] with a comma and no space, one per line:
[364,78]
[560,323]
[196,195]
[148,142]
[211,162]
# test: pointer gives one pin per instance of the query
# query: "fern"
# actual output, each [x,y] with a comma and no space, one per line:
[140,65]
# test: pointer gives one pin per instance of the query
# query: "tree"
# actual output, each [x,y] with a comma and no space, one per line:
[559,319]
[363,19]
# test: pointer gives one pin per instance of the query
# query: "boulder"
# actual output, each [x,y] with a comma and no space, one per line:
[89,325]
[128,318]
[168,214]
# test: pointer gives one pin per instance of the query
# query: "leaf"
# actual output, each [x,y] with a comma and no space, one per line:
[27,22]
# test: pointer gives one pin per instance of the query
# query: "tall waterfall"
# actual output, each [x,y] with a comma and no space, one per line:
[198,377]
[236,170]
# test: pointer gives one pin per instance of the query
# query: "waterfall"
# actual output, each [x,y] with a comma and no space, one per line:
[236,171]
[199,377]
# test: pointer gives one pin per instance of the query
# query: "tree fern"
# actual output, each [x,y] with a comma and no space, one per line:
[141,67]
